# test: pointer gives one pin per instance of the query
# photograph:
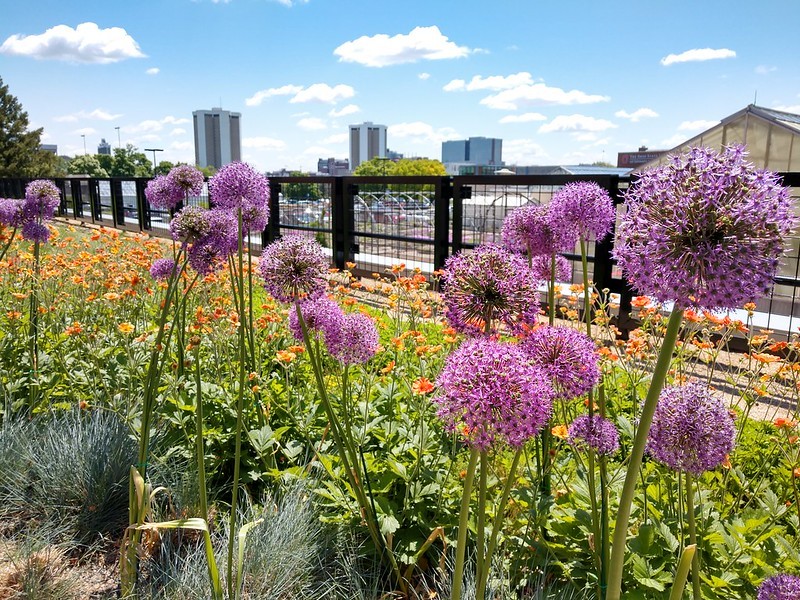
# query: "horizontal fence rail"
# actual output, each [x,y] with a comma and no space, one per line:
[379,222]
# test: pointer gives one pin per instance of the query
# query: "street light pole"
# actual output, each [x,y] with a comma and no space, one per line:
[119,139]
[154,150]
[83,135]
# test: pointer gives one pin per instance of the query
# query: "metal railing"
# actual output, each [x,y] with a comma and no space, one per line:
[377,222]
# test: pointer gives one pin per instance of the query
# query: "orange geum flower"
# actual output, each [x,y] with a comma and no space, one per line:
[74,329]
[13,314]
[19,296]
[796,472]
[285,357]
[764,358]
[296,349]
[422,386]
[559,431]
[783,423]
[125,327]
[388,368]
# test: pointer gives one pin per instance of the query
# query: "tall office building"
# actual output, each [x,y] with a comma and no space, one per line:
[366,142]
[475,152]
[217,137]
[104,147]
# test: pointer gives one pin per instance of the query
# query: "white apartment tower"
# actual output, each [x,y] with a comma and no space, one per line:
[367,141]
[217,137]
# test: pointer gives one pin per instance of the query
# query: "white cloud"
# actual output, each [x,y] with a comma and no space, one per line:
[673,141]
[322,92]
[181,146]
[153,71]
[584,136]
[87,43]
[493,83]
[697,54]
[260,96]
[318,151]
[795,108]
[576,123]
[85,131]
[336,138]
[424,76]
[153,126]
[350,109]
[523,118]
[178,131]
[421,131]
[422,43]
[98,114]
[699,125]
[263,143]
[765,69]
[539,94]
[312,124]
[637,115]
[170,120]
[523,152]
[149,137]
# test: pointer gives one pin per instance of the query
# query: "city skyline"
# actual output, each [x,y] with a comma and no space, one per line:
[559,83]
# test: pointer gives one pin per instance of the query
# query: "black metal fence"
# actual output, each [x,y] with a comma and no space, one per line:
[378,222]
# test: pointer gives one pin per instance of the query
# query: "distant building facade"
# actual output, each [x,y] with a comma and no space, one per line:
[476,154]
[334,167]
[52,148]
[217,137]
[631,160]
[367,141]
[104,147]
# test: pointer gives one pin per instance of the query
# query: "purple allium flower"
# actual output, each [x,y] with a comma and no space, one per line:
[583,207]
[294,268]
[41,200]
[210,250]
[490,392]
[191,223]
[567,356]
[692,430]
[705,230]
[542,268]
[594,432]
[11,212]
[186,181]
[162,268]
[356,341]
[780,587]
[321,315]
[238,185]
[529,230]
[161,194]
[35,231]
[490,284]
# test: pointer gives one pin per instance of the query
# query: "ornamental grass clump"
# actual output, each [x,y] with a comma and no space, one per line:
[706,230]
[488,288]
[490,394]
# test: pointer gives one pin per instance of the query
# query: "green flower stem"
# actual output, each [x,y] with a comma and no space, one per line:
[596,533]
[463,526]
[239,409]
[693,537]
[199,450]
[587,296]
[637,453]
[481,567]
[682,573]
[8,244]
[33,332]
[498,521]
[604,538]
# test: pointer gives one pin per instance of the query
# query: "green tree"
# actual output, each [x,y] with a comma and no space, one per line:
[87,164]
[376,167]
[410,167]
[301,191]
[106,161]
[208,171]
[20,155]
[164,167]
[130,162]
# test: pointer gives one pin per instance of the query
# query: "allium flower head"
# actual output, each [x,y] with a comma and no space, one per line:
[294,268]
[11,212]
[529,230]
[355,342]
[490,392]
[705,230]
[692,430]
[542,268]
[321,316]
[161,194]
[35,231]
[41,199]
[567,356]
[190,223]
[594,432]
[239,185]
[489,284]
[585,207]
[780,587]
[210,250]
[162,268]
[186,181]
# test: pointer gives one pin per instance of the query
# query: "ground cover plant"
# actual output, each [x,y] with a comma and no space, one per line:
[229,428]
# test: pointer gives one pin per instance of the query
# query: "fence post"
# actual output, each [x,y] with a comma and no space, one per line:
[143,206]
[273,230]
[460,193]
[602,249]
[342,221]
[441,222]
[117,205]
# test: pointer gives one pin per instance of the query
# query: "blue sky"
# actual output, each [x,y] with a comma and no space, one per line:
[560,82]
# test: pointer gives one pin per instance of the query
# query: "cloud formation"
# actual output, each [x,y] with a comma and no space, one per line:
[312,124]
[699,125]
[538,94]
[637,115]
[523,118]
[576,123]
[98,114]
[493,83]
[263,143]
[350,109]
[317,92]
[153,71]
[698,55]
[421,131]
[87,43]
[381,50]
[149,126]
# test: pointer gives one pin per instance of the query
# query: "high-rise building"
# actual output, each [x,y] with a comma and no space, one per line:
[367,141]
[217,137]
[473,152]
[104,147]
